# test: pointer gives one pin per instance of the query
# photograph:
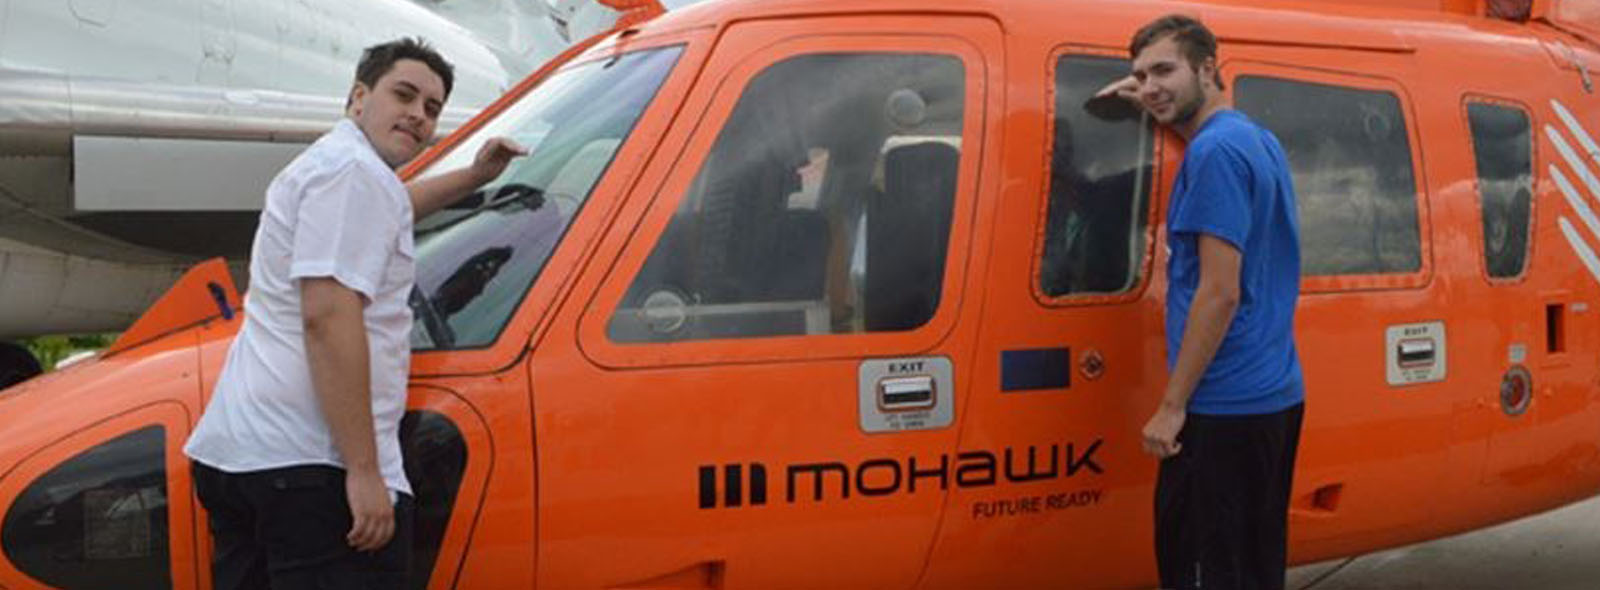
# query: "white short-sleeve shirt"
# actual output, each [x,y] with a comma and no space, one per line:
[335,211]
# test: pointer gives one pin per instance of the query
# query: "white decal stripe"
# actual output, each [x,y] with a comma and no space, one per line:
[1573,160]
[1576,201]
[1577,130]
[1582,249]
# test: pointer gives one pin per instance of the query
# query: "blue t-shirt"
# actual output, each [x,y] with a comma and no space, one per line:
[1234,184]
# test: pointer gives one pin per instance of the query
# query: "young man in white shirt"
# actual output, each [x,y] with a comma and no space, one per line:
[297,457]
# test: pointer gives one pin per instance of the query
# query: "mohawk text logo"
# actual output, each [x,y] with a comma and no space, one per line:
[886,476]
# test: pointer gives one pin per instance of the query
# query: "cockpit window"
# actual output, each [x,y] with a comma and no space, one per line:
[823,208]
[98,520]
[476,260]
[1100,165]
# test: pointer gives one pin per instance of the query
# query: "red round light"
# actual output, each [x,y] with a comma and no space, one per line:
[1516,391]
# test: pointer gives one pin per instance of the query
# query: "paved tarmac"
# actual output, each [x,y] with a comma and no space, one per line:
[1556,550]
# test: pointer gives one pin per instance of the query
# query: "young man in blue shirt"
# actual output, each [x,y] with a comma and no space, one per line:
[1228,424]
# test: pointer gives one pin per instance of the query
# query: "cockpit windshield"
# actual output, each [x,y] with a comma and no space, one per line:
[477,258]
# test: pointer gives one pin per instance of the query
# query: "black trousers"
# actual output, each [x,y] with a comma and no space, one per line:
[285,529]
[1222,502]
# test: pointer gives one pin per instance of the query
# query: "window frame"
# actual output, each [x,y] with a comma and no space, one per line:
[717,102]
[1234,69]
[1155,200]
[1530,248]
[185,518]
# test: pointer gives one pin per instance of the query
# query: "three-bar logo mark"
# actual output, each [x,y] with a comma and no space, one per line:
[733,485]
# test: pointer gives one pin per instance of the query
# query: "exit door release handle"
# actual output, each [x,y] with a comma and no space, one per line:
[906,393]
[1416,352]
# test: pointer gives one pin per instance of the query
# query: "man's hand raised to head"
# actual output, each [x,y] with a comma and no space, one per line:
[1126,88]
[1117,101]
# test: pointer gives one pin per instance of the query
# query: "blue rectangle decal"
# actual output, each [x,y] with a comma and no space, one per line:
[1033,369]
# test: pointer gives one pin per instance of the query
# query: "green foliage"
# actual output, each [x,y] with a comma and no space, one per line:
[51,349]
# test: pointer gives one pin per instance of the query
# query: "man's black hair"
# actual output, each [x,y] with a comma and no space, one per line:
[379,59]
[1195,41]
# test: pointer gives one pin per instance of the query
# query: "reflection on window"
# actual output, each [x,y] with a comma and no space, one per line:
[97,520]
[823,208]
[1099,186]
[1351,158]
[476,260]
[1504,152]
[435,457]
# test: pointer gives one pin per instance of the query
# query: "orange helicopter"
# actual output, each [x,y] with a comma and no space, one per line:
[802,294]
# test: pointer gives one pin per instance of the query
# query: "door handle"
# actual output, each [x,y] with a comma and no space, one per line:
[906,393]
[1416,352]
